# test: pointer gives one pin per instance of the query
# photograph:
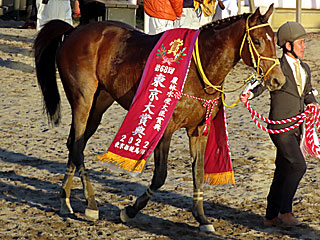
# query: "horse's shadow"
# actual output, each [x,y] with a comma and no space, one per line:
[16,50]
[49,201]
[16,38]
[14,65]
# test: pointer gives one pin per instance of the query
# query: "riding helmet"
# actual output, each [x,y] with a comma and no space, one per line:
[289,32]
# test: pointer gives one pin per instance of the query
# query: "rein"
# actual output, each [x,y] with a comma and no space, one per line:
[196,58]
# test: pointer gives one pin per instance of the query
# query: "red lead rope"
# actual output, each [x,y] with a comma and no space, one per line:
[254,114]
[312,147]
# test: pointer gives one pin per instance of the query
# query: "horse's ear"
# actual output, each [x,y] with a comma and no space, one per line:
[255,15]
[268,13]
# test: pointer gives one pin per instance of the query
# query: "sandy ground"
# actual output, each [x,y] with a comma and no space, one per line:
[33,158]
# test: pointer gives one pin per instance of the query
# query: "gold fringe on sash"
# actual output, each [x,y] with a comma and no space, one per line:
[219,178]
[123,162]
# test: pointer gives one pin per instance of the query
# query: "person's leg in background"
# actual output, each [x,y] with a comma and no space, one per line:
[189,18]
[31,20]
[157,25]
[91,12]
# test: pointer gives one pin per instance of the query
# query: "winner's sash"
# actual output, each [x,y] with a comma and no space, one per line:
[154,102]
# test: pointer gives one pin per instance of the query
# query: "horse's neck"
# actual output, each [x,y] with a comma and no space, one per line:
[220,50]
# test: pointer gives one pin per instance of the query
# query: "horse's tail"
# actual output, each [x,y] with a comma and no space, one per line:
[45,48]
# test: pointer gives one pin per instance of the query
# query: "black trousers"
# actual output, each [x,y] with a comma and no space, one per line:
[90,12]
[32,15]
[290,168]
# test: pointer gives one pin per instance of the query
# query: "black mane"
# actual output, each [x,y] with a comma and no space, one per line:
[222,23]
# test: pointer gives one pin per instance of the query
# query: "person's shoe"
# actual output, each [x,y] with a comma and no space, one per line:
[271,222]
[32,26]
[29,25]
[288,219]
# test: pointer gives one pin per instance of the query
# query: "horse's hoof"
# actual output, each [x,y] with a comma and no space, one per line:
[207,228]
[65,212]
[92,214]
[124,216]
[65,208]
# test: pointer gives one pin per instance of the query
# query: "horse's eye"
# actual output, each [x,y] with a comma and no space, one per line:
[256,42]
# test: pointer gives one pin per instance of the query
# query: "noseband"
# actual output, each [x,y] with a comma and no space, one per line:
[256,64]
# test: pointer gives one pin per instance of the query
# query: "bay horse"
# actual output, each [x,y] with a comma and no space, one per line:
[103,62]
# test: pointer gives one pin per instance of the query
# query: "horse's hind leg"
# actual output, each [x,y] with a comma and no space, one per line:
[101,103]
[159,177]
[83,115]
[197,148]
[65,207]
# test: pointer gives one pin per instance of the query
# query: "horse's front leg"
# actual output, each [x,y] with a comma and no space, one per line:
[197,148]
[159,177]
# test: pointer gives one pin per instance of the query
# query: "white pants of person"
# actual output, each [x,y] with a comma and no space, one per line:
[54,9]
[193,19]
[157,25]
[205,19]
[189,19]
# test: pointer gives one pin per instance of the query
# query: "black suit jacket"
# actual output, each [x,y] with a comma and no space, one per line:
[286,102]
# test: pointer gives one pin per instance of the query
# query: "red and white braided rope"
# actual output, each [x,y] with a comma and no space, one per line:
[299,117]
[209,104]
[313,148]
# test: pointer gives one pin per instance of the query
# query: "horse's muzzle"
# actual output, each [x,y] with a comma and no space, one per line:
[274,83]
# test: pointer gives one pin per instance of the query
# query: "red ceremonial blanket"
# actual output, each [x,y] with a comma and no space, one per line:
[152,107]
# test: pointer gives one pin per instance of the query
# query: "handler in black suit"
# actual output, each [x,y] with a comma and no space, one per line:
[287,102]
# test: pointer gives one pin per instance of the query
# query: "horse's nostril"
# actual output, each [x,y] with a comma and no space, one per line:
[275,82]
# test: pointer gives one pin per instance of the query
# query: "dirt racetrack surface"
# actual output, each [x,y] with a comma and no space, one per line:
[33,157]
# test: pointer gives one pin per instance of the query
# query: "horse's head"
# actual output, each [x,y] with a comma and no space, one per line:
[258,49]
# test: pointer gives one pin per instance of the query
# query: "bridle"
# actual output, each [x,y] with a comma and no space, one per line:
[256,64]
[252,48]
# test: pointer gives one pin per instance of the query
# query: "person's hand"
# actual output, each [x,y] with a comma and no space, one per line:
[245,96]
[313,104]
